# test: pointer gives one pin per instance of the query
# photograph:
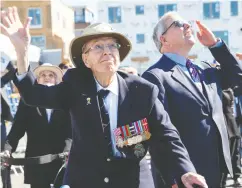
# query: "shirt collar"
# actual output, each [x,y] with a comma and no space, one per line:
[113,87]
[178,59]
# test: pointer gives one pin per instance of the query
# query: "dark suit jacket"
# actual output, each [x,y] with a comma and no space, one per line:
[237,93]
[88,164]
[43,138]
[228,109]
[198,116]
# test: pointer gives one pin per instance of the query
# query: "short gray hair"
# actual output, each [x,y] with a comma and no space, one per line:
[160,28]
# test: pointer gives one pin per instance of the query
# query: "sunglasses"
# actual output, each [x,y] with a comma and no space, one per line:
[176,24]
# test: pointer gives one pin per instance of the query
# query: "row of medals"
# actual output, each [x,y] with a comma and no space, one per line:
[132,140]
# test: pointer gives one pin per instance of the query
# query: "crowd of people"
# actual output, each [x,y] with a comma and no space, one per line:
[106,117]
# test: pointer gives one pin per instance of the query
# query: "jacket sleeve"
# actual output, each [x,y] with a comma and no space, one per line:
[68,133]
[165,140]
[18,128]
[231,69]
[53,97]
[151,77]
[9,75]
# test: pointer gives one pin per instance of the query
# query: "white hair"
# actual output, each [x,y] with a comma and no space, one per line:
[161,27]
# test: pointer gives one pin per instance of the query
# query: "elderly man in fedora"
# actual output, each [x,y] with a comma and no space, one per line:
[115,116]
[48,132]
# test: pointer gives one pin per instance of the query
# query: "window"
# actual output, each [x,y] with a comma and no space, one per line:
[162,9]
[211,10]
[223,35]
[38,41]
[89,17]
[234,8]
[139,9]
[79,16]
[83,16]
[36,15]
[114,14]
[140,38]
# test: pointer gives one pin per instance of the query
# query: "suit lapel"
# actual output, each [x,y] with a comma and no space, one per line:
[123,103]
[180,77]
[88,93]
[208,91]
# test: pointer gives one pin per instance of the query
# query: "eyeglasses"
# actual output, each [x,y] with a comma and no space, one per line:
[176,24]
[99,48]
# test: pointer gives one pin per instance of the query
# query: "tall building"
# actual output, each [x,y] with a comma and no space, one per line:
[52,25]
[136,19]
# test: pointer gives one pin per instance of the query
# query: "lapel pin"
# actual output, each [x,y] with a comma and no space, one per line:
[88,100]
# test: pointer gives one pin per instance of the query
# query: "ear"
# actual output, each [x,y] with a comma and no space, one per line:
[163,41]
[84,59]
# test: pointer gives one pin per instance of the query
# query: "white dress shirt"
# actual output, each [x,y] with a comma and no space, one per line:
[48,112]
[111,103]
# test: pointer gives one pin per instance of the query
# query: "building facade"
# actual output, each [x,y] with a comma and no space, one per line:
[83,17]
[52,25]
[84,12]
[136,19]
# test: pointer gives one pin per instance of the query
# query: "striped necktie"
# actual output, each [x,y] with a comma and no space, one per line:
[192,71]
[102,94]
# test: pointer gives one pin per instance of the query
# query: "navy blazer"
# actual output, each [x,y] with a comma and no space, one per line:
[198,115]
[89,163]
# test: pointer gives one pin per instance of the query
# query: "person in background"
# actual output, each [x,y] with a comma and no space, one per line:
[230,109]
[6,116]
[65,65]
[191,94]
[48,132]
[115,116]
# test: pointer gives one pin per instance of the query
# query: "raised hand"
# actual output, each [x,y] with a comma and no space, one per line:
[15,30]
[191,179]
[18,34]
[205,35]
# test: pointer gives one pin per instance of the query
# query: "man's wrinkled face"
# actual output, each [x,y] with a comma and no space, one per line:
[101,55]
[47,78]
[178,32]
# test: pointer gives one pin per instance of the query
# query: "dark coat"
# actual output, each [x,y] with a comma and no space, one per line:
[6,114]
[89,164]
[228,109]
[197,115]
[5,106]
[43,138]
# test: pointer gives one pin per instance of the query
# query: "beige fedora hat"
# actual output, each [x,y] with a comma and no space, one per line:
[49,67]
[95,31]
